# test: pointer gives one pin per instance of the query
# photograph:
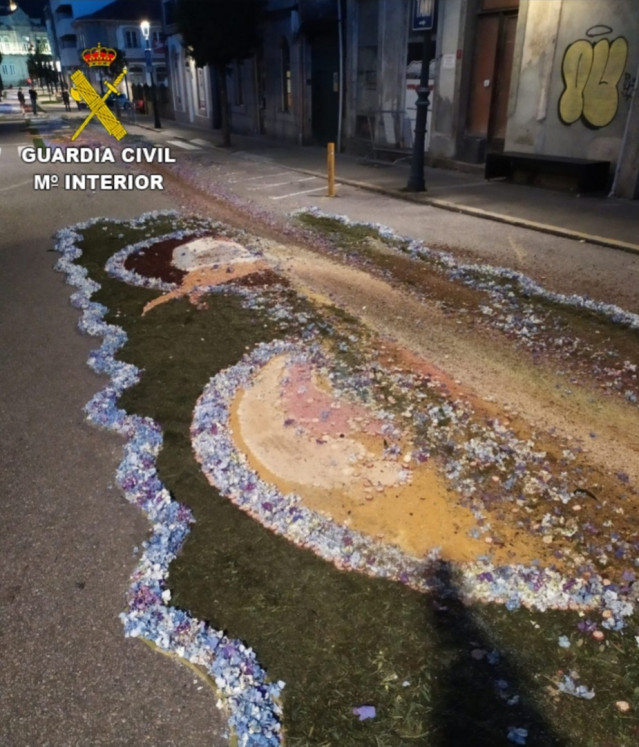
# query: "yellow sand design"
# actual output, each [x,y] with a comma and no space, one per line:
[347,477]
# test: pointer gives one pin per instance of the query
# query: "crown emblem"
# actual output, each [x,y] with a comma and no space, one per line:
[99,56]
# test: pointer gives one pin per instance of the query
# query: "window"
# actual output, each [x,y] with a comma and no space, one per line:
[238,88]
[201,90]
[177,87]
[131,39]
[287,88]
[69,41]
[42,45]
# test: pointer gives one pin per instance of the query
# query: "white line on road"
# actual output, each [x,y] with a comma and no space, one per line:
[262,176]
[294,194]
[253,157]
[183,144]
[15,186]
[202,143]
[280,184]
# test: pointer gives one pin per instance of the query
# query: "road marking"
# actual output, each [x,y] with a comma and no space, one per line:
[202,143]
[15,186]
[280,184]
[294,194]
[253,157]
[256,178]
[518,249]
[183,144]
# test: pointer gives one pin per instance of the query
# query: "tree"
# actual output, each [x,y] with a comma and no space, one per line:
[218,32]
[37,66]
[118,64]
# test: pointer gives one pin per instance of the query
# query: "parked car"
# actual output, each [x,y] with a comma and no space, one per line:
[121,99]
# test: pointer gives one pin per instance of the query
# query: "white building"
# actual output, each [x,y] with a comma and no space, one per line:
[20,36]
[117,25]
[61,15]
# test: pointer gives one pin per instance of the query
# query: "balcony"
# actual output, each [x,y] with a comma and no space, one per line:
[64,11]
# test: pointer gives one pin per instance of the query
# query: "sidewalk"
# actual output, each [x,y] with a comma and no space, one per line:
[607,221]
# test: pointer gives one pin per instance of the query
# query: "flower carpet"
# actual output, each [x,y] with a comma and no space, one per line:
[342,455]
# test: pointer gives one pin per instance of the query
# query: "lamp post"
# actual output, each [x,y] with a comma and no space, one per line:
[145,27]
[423,20]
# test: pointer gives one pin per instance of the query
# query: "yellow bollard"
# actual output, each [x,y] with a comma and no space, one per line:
[330,158]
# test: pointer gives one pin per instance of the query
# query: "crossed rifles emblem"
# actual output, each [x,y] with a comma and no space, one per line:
[84,91]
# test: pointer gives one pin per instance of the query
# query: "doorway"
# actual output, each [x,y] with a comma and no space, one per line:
[325,86]
[491,72]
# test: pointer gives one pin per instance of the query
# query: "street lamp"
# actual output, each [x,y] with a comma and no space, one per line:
[145,27]
[424,12]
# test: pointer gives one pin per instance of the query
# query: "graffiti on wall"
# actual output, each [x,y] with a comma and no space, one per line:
[591,72]
[628,86]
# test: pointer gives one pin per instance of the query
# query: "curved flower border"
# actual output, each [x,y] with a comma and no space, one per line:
[252,701]
[520,320]
[527,285]
[285,514]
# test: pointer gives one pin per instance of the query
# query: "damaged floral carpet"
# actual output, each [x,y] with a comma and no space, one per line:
[348,546]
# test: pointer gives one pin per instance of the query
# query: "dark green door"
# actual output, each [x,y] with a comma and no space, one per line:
[325,86]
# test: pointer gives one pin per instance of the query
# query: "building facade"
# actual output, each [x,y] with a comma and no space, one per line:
[191,88]
[112,23]
[555,78]
[545,77]
[118,25]
[577,98]
[278,91]
[61,15]
[20,37]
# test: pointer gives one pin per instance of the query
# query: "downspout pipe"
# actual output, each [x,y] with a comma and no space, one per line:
[340,105]
[624,139]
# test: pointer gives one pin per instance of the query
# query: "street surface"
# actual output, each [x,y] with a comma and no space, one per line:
[69,676]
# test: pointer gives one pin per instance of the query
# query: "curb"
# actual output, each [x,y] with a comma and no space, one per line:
[423,199]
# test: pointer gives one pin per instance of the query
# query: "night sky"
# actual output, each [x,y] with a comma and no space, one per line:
[32,8]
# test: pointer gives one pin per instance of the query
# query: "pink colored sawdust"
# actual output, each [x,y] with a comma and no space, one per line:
[301,435]
[318,410]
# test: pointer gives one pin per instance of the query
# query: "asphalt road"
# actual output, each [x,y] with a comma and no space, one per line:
[68,675]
